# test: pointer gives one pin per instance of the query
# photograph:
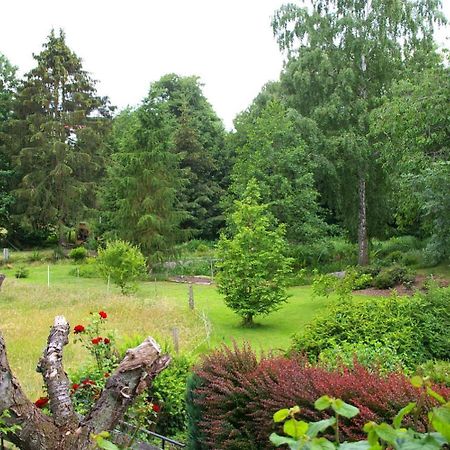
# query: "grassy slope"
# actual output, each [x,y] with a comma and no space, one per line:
[28,306]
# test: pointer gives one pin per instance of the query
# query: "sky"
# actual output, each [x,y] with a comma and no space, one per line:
[126,45]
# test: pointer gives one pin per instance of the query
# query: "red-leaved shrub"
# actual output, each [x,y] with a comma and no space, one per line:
[238,395]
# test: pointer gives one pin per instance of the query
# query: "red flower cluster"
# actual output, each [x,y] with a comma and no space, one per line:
[156,408]
[102,314]
[75,386]
[78,329]
[41,402]
[88,381]
[97,340]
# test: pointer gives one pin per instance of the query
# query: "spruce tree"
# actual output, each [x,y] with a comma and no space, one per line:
[140,202]
[199,141]
[59,128]
[8,85]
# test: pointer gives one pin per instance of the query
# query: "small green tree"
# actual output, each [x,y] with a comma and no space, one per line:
[253,268]
[122,263]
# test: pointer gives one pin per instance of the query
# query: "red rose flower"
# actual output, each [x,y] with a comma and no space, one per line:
[97,340]
[156,408]
[75,386]
[41,402]
[102,314]
[78,329]
[106,375]
[88,381]
[106,341]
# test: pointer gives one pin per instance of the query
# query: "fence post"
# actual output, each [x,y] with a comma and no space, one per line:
[176,340]
[191,296]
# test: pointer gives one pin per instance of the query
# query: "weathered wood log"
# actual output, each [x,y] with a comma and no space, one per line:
[63,429]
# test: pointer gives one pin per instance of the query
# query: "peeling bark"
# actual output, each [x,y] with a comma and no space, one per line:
[63,429]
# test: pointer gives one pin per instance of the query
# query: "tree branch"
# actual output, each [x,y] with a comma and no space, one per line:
[55,378]
[133,375]
[37,430]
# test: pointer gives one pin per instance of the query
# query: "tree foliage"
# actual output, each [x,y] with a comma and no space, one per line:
[342,57]
[253,268]
[273,153]
[412,130]
[8,85]
[140,190]
[198,140]
[59,128]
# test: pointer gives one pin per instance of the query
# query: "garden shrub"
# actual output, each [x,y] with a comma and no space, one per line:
[123,263]
[78,254]
[403,244]
[437,371]
[168,391]
[417,328]
[374,356]
[22,272]
[237,396]
[327,255]
[87,270]
[393,276]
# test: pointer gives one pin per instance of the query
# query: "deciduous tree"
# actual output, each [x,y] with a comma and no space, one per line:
[253,268]
[342,57]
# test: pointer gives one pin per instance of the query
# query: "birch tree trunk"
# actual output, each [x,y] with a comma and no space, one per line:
[363,241]
[64,429]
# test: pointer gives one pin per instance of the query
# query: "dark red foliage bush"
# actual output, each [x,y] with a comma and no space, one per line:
[238,395]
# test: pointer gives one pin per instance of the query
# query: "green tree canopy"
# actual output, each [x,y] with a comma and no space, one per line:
[139,193]
[412,129]
[8,85]
[273,153]
[199,141]
[343,55]
[253,268]
[59,129]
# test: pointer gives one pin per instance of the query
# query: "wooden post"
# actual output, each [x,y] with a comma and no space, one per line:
[191,296]
[108,285]
[212,271]
[176,340]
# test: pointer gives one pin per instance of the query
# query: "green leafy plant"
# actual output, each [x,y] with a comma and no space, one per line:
[22,272]
[406,325]
[4,427]
[122,263]
[301,435]
[78,254]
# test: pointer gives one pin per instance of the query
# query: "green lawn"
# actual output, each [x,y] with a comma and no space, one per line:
[28,306]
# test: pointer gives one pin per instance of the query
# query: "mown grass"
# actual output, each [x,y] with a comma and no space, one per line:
[28,307]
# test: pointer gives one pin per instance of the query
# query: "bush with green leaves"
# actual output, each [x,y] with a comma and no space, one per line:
[393,276]
[437,371]
[22,272]
[89,269]
[417,328]
[122,263]
[168,391]
[252,268]
[78,254]
[302,435]
[373,355]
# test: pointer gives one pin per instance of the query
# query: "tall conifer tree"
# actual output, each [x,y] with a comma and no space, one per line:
[60,124]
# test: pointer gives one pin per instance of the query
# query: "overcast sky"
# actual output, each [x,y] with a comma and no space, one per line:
[126,45]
